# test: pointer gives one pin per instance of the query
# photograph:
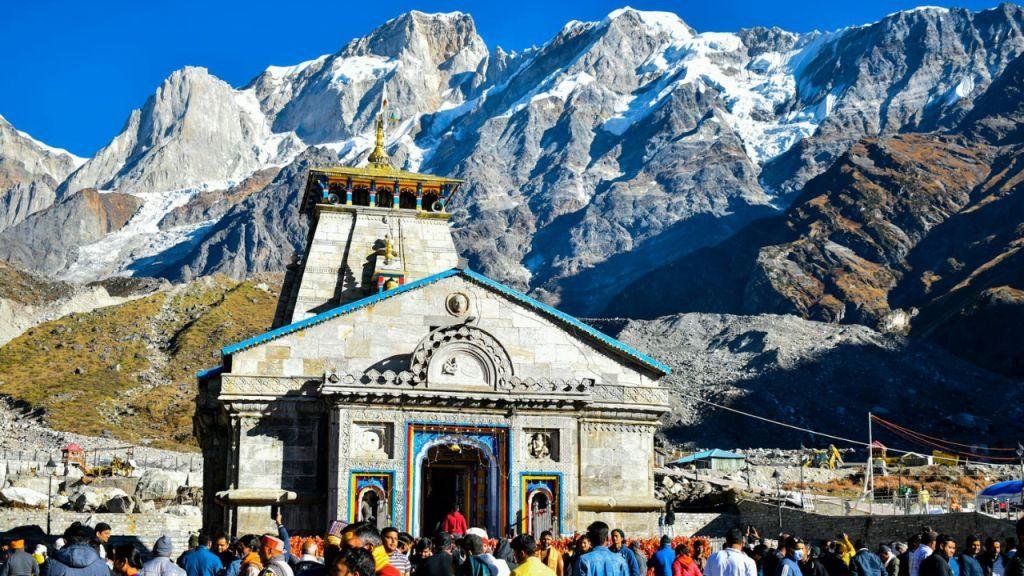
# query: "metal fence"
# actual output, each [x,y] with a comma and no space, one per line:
[26,460]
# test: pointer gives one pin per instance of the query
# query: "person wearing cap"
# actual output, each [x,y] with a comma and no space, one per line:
[889,560]
[498,566]
[525,549]
[201,561]
[20,562]
[272,553]
[40,554]
[78,557]
[161,564]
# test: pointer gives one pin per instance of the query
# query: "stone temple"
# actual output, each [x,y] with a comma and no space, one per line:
[396,383]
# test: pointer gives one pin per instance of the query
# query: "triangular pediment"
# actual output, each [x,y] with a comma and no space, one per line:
[383,331]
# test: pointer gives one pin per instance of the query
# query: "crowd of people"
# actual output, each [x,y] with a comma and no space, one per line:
[926,553]
[362,550]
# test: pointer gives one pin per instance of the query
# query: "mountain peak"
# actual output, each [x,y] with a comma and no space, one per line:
[665,22]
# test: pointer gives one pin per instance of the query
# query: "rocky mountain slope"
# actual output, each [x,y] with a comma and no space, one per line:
[587,159]
[30,172]
[632,166]
[128,370]
[820,376]
[925,225]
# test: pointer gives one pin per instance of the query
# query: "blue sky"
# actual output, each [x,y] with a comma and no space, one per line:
[72,71]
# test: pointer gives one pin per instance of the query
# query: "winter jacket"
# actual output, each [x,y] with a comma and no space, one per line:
[632,563]
[969,566]
[892,567]
[161,566]
[935,565]
[277,566]
[813,567]
[77,560]
[662,560]
[600,561]
[200,561]
[866,563]
[788,567]
[20,563]
[685,566]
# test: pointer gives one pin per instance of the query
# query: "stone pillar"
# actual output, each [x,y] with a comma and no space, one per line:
[373,193]
[396,193]
[419,196]
[348,191]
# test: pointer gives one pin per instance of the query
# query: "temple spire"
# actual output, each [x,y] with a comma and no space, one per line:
[379,156]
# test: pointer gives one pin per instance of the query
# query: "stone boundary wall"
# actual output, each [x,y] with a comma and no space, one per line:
[873,529]
[141,529]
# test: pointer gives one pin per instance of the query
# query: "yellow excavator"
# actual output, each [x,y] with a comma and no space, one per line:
[829,458]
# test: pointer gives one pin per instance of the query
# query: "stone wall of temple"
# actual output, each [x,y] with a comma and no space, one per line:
[281,450]
[339,259]
[388,393]
[368,337]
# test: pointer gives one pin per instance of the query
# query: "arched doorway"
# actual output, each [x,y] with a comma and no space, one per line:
[460,470]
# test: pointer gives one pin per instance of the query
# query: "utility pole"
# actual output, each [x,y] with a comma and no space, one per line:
[869,483]
[1020,457]
[778,494]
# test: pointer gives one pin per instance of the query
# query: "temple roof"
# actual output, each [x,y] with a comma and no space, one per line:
[581,329]
[379,171]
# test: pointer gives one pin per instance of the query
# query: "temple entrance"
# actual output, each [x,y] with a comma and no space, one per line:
[454,475]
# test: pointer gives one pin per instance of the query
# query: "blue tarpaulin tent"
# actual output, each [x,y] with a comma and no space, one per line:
[1007,488]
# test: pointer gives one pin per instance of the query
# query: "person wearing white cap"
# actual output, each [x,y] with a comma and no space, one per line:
[497,566]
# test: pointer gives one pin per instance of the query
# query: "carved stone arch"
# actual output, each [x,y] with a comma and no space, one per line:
[461,356]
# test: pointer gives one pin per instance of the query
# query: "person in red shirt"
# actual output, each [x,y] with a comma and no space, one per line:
[455,523]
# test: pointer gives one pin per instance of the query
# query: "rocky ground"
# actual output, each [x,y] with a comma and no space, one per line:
[820,376]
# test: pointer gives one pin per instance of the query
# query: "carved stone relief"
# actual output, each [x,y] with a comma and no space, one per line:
[542,445]
[371,440]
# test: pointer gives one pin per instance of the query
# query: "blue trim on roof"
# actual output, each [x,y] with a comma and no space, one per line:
[335,312]
[705,454]
[471,275]
[590,330]
[208,372]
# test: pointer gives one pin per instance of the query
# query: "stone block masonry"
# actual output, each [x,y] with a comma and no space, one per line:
[138,529]
[873,529]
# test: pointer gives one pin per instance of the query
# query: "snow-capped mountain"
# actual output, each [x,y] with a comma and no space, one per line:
[29,173]
[590,161]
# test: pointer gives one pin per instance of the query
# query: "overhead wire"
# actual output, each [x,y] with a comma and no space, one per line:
[887,423]
[799,428]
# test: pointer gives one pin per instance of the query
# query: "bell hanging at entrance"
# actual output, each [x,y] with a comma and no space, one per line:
[455,447]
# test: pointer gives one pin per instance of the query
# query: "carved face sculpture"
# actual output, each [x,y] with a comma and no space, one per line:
[539,446]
